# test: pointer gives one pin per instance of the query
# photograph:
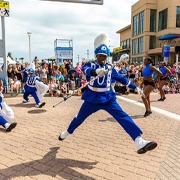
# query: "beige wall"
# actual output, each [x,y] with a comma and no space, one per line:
[125,34]
[146,6]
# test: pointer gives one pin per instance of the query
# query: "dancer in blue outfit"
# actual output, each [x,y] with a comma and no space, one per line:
[163,79]
[31,88]
[6,113]
[149,83]
[99,95]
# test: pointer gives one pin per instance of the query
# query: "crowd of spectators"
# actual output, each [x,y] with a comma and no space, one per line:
[61,79]
[134,73]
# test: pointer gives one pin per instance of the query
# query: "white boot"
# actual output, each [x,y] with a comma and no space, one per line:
[143,146]
[24,101]
[9,126]
[63,135]
[40,105]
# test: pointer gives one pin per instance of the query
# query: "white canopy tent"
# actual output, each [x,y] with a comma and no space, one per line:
[10,60]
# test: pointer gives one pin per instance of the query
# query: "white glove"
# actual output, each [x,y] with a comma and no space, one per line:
[1,95]
[140,92]
[101,72]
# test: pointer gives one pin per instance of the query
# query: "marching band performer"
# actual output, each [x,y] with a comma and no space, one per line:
[99,95]
[6,114]
[163,79]
[34,87]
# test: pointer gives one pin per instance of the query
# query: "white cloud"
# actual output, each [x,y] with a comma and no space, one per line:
[57,20]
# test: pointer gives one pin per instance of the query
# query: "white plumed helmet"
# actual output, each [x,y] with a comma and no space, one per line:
[124,58]
[101,45]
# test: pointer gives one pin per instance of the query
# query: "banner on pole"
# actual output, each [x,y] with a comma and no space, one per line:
[166,51]
[64,52]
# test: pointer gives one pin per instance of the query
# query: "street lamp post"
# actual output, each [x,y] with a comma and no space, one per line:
[78,58]
[87,55]
[29,35]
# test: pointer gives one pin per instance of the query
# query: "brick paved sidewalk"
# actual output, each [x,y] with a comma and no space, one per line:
[171,104]
[99,149]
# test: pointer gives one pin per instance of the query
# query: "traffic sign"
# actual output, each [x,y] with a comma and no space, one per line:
[4,8]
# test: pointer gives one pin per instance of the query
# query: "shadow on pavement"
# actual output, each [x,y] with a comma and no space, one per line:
[3,130]
[25,105]
[50,166]
[36,111]
[137,116]
[111,119]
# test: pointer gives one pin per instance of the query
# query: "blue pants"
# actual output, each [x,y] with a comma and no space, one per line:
[112,108]
[2,121]
[30,91]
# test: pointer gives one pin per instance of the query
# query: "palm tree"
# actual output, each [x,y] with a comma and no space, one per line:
[10,55]
[21,58]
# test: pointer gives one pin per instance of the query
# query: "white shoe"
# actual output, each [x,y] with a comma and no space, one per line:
[63,135]
[143,146]
[24,101]
[40,105]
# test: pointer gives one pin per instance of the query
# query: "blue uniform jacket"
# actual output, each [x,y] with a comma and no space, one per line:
[30,85]
[102,82]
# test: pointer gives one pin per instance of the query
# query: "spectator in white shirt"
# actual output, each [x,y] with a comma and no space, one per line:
[15,85]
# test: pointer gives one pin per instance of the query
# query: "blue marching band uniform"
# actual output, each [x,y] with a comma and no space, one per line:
[34,87]
[6,115]
[99,95]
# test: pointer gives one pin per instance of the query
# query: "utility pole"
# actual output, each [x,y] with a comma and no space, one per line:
[78,58]
[3,13]
[87,55]
[29,35]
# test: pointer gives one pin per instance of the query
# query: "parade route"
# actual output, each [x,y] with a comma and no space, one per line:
[155,109]
[98,150]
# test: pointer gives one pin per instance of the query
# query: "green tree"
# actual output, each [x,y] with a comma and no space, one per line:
[10,55]
[21,58]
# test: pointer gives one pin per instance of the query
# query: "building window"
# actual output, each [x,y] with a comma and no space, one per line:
[135,25]
[138,24]
[178,17]
[140,44]
[152,42]
[121,43]
[153,20]
[134,60]
[128,43]
[125,44]
[163,19]
[134,46]
[141,22]
[139,60]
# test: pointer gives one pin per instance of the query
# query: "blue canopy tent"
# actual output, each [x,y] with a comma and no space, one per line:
[169,36]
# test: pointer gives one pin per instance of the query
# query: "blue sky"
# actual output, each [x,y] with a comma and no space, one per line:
[57,20]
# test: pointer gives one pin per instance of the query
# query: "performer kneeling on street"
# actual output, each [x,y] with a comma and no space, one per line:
[6,114]
[99,95]
[34,87]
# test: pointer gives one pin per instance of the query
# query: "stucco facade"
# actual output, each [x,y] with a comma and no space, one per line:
[150,20]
